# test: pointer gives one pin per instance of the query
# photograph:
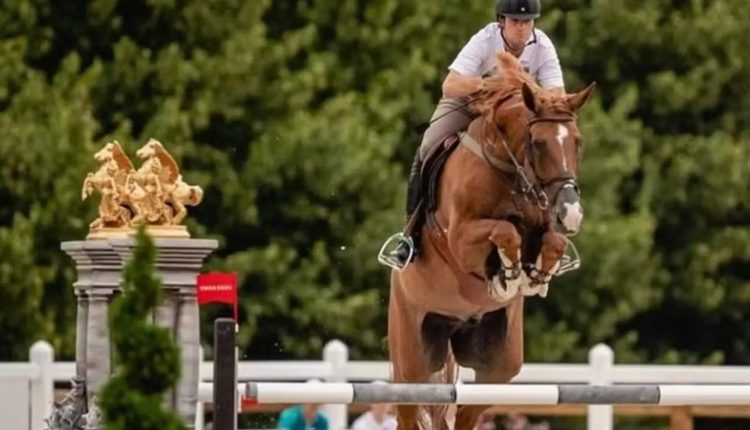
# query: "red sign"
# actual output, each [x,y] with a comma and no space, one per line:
[247,403]
[218,287]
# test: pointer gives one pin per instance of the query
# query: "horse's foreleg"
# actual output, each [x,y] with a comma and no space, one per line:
[505,285]
[84,190]
[502,362]
[180,212]
[140,215]
[472,241]
[547,264]
[469,243]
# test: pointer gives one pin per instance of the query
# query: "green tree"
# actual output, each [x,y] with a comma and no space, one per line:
[47,140]
[682,65]
[147,359]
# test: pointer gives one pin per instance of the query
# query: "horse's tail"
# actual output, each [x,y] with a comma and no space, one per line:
[448,374]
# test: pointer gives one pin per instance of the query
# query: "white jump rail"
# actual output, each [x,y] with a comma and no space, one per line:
[496,394]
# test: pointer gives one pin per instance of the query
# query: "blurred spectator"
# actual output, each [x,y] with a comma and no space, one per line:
[486,422]
[379,417]
[515,422]
[303,417]
[520,422]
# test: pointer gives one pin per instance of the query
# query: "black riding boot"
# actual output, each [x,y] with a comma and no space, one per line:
[413,196]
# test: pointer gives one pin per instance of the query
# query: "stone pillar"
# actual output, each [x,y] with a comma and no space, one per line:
[188,337]
[99,270]
[165,316]
[82,318]
[99,263]
[178,263]
[98,351]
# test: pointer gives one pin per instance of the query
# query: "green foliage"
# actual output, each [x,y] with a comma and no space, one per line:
[22,287]
[48,130]
[147,359]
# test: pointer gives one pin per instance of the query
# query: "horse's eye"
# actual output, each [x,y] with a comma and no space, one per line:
[538,144]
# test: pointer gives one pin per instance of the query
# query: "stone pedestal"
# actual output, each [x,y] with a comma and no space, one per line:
[100,263]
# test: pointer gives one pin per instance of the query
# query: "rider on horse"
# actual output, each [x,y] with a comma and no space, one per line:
[513,32]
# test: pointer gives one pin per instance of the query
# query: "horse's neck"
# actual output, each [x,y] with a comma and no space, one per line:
[105,167]
[146,166]
[137,193]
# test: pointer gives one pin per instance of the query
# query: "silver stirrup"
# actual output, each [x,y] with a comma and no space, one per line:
[568,263]
[384,256]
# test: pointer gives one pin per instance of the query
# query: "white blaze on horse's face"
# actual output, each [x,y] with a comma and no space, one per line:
[562,134]
[568,208]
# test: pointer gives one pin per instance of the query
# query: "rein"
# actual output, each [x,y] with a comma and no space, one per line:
[528,188]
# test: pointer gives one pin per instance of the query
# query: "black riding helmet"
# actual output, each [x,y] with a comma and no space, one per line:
[519,9]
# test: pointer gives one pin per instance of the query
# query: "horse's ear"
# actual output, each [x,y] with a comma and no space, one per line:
[528,97]
[578,99]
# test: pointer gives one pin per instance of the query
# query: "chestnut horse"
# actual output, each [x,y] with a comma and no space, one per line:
[507,199]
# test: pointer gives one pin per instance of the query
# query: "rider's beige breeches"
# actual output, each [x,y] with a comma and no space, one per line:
[452,122]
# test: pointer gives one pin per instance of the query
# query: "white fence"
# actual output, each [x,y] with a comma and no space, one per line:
[27,389]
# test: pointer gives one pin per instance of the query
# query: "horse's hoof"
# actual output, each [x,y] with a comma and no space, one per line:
[504,290]
[535,289]
[538,275]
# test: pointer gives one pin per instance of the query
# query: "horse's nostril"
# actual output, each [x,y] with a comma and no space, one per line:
[563,227]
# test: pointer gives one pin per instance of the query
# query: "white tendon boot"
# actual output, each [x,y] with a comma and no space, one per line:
[506,287]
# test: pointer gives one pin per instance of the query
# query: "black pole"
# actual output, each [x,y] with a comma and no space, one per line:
[225,375]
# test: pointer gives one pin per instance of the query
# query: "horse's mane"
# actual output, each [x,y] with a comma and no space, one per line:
[508,83]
